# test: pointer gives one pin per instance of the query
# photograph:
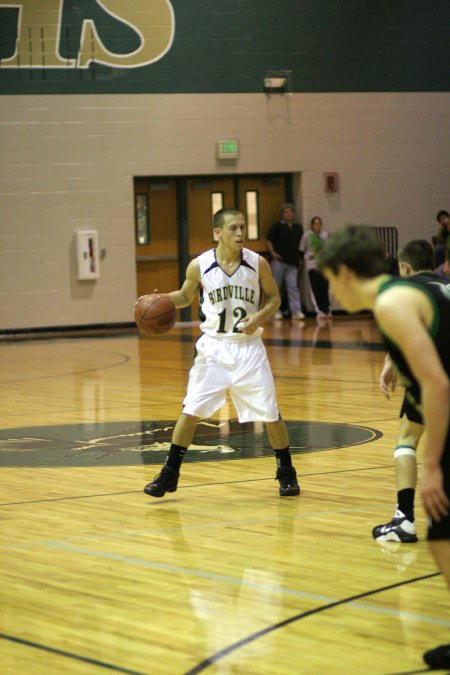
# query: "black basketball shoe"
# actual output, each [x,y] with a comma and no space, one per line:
[439,658]
[287,477]
[399,529]
[166,481]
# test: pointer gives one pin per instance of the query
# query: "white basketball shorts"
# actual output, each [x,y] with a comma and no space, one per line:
[240,367]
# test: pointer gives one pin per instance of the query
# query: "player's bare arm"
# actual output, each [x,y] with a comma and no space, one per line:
[190,287]
[272,296]
[404,314]
[270,288]
[388,377]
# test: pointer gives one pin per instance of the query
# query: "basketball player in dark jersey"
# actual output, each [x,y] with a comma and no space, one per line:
[414,318]
[416,257]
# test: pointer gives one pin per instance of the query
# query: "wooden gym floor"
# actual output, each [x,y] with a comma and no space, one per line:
[222,576]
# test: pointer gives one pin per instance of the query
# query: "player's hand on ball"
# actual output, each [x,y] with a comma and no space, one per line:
[155,292]
[139,299]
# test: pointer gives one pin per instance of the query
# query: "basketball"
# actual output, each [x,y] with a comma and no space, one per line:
[155,314]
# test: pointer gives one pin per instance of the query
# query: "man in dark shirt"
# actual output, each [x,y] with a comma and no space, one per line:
[283,241]
[443,220]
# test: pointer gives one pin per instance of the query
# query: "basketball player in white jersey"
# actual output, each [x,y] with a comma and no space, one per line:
[230,355]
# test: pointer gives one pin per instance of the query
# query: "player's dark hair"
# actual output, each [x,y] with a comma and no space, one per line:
[418,253]
[440,213]
[357,247]
[219,216]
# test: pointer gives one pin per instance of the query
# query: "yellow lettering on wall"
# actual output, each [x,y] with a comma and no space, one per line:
[154,22]
[38,32]
[39,29]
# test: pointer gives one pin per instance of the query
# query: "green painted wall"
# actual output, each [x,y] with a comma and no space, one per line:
[228,46]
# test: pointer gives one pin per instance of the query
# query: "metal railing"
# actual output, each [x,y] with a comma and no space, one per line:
[389,237]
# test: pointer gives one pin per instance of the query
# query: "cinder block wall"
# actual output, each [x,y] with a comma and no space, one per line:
[90,98]
[68,162]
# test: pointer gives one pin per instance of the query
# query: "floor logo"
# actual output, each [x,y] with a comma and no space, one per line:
[133,443]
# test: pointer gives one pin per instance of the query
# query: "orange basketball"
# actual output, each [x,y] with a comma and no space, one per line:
[155,314]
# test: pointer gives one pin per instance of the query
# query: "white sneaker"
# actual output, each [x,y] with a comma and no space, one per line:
[322,315]
[399,529]
[298,316]
[278,316]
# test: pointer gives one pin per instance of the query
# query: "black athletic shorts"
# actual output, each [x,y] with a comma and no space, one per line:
[442,530]
[410,411]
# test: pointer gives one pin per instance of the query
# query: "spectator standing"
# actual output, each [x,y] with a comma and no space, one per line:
[444,269]
[310,245]
[443,219]
[283,241]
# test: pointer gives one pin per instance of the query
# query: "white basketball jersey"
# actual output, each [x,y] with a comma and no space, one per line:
[227,299]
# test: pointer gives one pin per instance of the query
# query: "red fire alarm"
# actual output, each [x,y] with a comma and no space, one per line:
[330,181]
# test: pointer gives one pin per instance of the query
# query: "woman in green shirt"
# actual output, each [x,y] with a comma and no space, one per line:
[311,244]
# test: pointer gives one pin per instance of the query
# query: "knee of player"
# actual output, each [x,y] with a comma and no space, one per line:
[404,451]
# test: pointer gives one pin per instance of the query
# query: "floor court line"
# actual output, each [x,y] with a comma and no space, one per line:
[125,359]
[179,528]
[195,485]
[272,588]
[412,672]
[70,655]
[218,656]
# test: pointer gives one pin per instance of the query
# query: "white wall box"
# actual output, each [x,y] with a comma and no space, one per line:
[87,253]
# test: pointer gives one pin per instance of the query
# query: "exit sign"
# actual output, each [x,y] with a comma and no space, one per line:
[227,150]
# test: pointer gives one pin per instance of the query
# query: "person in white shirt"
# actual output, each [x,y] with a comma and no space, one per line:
[310,245]
[230,354]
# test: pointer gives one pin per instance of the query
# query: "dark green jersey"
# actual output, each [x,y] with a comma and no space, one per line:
[438,291]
